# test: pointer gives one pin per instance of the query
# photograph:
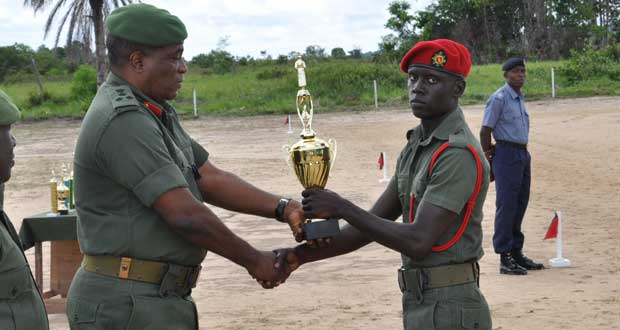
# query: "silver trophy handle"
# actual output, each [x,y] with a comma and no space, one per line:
[333,150]
[287,150]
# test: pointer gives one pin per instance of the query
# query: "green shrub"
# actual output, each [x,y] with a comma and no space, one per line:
[56,72]
[592,63]
[36,98]
[84,83]
[273,73]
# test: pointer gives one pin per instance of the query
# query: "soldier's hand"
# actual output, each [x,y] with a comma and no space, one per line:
[265,272]
[322,204]
[294,216]
[286,261]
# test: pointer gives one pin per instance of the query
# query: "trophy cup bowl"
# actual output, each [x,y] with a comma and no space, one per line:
[312,160]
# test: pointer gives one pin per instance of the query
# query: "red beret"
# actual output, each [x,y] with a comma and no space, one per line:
[440,54]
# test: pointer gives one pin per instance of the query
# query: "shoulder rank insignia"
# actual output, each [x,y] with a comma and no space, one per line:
[121,96]
[439,60]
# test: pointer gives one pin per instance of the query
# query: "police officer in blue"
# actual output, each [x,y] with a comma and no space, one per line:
[507,120]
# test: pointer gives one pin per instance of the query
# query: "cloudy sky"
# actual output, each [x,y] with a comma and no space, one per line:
[277,26]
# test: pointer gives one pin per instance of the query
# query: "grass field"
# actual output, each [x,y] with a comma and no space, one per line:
[334,84]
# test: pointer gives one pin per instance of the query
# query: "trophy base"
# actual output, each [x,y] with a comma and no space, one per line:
[321,229]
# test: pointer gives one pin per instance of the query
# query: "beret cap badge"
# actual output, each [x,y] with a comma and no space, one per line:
[439,59]
[440,54]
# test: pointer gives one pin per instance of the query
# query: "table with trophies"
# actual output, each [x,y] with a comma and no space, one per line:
[58,226]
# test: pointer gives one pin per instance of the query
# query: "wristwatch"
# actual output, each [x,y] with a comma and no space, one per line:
[279,211]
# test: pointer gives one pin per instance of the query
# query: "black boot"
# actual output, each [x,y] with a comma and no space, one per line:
[525,262]
[509,266]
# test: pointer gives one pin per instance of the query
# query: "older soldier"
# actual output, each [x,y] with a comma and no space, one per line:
[141,183]
[439,188]
[507,119]
[21,305]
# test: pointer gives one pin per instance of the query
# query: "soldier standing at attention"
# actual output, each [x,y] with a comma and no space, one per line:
[507,119]
[21,305]
[439,188]
[141,182]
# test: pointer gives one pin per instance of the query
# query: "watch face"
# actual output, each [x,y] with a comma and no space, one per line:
[280,208]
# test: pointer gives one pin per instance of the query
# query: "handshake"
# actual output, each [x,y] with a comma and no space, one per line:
[272,268]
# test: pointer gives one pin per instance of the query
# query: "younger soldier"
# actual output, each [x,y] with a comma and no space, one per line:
[439,188]
[21,305]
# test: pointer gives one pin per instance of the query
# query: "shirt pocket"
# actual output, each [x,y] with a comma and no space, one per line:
[418,186]
[185,162]
[20,302]
[509,114]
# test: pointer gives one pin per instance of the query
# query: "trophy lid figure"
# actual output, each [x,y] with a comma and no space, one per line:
[304,100]
[300,65]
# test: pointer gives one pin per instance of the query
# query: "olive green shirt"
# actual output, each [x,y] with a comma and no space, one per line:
[125,158]
[21,305]
[450,186]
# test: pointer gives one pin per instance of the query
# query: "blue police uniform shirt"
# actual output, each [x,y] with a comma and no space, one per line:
[505,113]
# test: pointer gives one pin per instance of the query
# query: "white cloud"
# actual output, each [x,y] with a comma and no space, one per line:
[277,26]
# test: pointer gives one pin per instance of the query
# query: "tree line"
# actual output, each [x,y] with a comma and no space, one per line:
[496,29]
[16,61]
[492,30]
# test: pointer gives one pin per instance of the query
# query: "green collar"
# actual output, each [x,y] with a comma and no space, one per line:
[449,125]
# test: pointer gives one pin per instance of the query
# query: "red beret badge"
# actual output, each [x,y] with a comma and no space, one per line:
[439,60]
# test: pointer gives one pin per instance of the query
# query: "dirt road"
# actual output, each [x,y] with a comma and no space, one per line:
[575,149]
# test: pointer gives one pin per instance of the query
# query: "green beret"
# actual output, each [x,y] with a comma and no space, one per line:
[146,24]
[9,113]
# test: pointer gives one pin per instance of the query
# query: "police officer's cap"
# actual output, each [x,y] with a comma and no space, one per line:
[146,24]
[9,113]
[513,63]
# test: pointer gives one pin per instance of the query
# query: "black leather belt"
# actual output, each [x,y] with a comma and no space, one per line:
[420,279]
[512,144]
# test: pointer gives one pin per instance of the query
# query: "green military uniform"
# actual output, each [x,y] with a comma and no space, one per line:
[137,273]
[450,185]
[126,157]
[21,305]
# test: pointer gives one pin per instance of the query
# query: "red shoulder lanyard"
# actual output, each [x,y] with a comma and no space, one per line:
[471,203]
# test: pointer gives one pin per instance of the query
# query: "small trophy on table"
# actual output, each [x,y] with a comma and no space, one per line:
[312,158]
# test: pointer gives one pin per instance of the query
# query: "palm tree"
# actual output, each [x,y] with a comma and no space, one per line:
[84,17]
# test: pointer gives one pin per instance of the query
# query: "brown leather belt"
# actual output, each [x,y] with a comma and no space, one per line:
[420,279]
[171,277]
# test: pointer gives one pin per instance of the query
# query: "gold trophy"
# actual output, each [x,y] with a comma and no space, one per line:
[312,158]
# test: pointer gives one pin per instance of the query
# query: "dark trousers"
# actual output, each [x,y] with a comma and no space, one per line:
[511,167]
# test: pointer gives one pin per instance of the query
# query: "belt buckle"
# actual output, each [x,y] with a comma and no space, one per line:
[123,269]
[402,284]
